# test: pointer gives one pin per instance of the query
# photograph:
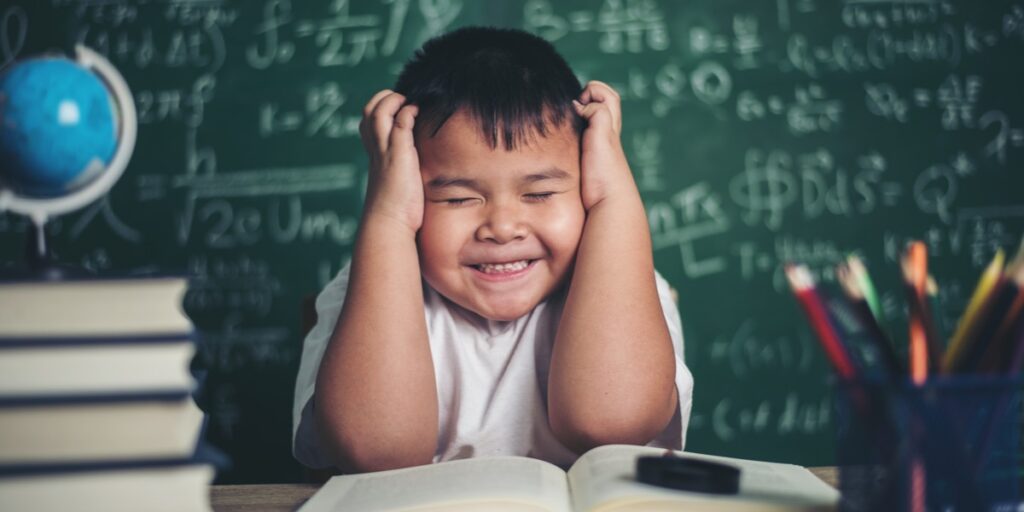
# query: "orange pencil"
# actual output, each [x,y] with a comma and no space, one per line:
[915,272]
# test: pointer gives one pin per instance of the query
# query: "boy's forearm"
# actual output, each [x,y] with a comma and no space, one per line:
[612,368]
[376,399]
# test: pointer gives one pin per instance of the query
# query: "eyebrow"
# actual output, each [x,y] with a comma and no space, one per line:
[447,181]
[553,173]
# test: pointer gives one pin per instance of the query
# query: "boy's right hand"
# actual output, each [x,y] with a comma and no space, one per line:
[395,187]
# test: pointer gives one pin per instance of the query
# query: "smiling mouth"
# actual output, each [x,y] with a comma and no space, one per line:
[503,268]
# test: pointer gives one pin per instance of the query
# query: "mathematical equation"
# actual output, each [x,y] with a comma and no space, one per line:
[956,101]
[623,26]
[342,37]
[787,416]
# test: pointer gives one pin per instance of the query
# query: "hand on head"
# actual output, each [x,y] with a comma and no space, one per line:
[395,189]
[605,171]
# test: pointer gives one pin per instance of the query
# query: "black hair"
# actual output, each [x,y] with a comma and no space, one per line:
[513,83]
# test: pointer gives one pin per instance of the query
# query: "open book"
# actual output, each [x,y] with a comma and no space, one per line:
[600,480]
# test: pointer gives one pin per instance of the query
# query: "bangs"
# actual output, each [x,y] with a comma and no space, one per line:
[513,84]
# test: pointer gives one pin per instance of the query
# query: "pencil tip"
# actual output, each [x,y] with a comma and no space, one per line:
[799,276]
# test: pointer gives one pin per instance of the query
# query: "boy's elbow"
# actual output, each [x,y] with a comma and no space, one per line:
[352,452]
[363,459]
[581,432]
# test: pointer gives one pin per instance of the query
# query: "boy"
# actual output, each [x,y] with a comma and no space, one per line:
[502,298]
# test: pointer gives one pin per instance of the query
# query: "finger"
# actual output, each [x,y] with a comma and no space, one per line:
[402,141]
[598,115]
[365,125]
[370,105]
[383,118]
[600,92]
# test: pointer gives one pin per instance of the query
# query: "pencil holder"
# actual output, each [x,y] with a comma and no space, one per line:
[947,445]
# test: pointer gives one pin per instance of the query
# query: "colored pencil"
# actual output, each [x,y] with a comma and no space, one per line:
[915,272]
[860,274]
[1017,359]
[855,293]
[1012,346]
[914,264]
[980,333]
[1001,345]
[802,283]
[937,318]
[957,343]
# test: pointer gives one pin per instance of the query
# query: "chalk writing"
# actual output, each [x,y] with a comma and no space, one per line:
[774,182]
[233,346]
[191,46]
[104,212]
[783,417]
[282,221]
[646,163]
[13,30]
[342,37]
[744,41]
[665,89]
[187,107]
[878,50]
[269,49]
[693,214]
[884,15]
[321,115]
[223,285]
[624,26]
[956,99]
[810,110]
[746,352]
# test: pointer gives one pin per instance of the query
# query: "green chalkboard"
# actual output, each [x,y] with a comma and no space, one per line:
[758,132]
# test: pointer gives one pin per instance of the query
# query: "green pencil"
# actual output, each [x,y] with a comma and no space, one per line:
[860,273]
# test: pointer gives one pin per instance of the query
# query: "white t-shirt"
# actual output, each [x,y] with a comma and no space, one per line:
[491,379]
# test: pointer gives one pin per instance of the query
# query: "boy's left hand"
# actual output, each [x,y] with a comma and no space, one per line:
[605,171]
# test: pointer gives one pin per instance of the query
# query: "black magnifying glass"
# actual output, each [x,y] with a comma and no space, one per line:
[688,474]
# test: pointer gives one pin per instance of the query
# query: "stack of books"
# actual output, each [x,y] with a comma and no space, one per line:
[96,404]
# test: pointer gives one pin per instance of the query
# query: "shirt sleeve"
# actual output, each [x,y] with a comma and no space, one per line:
[306,446]
[674,435]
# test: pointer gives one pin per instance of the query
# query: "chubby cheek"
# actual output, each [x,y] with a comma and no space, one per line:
[561,232]
[439,241]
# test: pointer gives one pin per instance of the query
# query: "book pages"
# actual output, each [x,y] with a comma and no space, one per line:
[603,479]
[494,483]
[171,489]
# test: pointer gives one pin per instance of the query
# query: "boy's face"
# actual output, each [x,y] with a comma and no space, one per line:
[500,228]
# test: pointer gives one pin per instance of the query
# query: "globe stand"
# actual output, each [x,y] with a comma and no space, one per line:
[39,259]
[41,263]
[37,248]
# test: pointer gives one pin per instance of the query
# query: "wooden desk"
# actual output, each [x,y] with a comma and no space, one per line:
[260,497]
[288,497]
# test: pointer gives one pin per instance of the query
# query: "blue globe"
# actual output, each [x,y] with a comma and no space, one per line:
[58,128]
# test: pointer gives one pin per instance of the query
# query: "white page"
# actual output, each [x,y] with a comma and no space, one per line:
[517,482]
[605,479]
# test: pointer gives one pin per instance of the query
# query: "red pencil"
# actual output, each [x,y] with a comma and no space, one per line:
[802,283]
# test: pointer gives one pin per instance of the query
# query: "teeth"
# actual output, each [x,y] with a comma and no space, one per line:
[503,268]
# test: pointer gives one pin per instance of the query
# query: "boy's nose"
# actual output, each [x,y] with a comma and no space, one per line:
[503,224]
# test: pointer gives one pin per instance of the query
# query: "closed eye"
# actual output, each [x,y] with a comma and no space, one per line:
[458,201]
[539,197]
